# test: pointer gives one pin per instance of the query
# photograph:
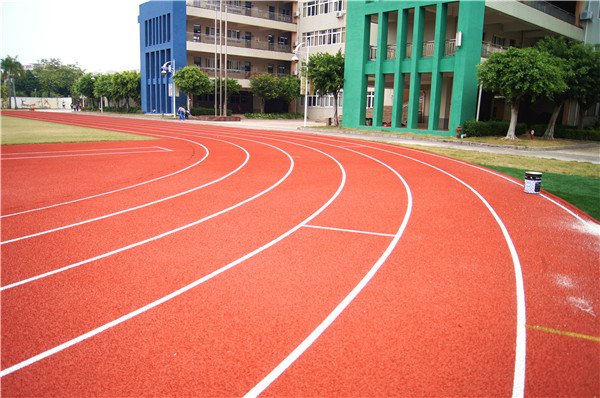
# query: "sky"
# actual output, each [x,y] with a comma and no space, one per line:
[99,36]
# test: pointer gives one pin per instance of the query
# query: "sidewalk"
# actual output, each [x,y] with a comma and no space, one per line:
[586,152]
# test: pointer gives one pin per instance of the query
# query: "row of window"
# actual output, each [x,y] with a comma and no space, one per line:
[237,34]
[242,66]
[157,30]
[317,7]
[325,101]
[324,37]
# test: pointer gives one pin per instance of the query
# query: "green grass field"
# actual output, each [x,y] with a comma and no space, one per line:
[22,131]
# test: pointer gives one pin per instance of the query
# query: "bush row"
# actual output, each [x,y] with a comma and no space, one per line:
[199,111]
[122,109]
[274,115]
[499,128]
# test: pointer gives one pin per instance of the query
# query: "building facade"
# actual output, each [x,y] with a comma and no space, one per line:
[238,39]
[411,65]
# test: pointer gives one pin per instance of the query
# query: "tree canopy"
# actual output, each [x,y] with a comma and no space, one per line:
[56,78]
[327,73]
[191,80]
[269,87]
[11,68]
[516,72]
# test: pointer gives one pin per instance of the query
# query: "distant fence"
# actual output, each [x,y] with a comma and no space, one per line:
[40,103]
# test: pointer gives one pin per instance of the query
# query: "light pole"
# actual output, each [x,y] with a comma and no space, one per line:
[296,59]
[171,69]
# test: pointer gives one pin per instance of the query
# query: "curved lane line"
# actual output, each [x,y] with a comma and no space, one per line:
[316,333]
[120,189]
[142,205]
[184,289]
[520,344]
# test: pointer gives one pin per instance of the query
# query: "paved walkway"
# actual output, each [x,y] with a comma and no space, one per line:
[586,152]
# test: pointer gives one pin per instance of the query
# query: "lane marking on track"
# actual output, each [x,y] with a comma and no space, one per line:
[323,326]
[521,333]
[139,206]
[564,333]
[349,230]
[120,189]
[85,150]
[184,289]
[82,154]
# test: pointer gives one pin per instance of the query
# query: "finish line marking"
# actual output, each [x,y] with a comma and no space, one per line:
[564,333]
[350,230]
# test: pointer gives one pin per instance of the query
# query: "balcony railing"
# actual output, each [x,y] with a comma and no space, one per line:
[239,74]
[254,44]
[449,49]
[240,10]
[551,9]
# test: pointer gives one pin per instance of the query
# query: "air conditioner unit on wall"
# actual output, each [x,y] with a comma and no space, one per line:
[339,14]
[296,14]
[585,15]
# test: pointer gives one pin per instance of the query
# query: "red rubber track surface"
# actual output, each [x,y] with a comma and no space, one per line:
[93,245]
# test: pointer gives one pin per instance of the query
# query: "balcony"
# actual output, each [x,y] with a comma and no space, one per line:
[240,10]
[242,43]
[550,9]
[449,49]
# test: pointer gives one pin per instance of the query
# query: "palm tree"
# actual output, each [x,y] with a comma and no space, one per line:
[11,68]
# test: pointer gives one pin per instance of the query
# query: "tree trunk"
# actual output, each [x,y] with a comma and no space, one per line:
[335,109]
[14,92]
[514,114]
[549,133]
[262,105]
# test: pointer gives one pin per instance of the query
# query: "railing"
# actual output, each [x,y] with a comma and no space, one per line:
[240,10]
[254,44]
[550,9]
[239,74]
[449,49]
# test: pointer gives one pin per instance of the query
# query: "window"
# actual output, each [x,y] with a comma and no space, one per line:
[233,34]
[282,70]
[310,8]
[197,28]
[284,40]
[270,68]
[324,7]
[198,61]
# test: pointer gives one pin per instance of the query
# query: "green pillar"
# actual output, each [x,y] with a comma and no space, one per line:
[415,76]
[382,28]
[398,75]
[436,76]
[468,56]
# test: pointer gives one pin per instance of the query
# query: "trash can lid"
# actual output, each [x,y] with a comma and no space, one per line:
[533,173]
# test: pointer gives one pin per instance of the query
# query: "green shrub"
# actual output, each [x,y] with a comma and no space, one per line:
[199,111]
[567,132]
[274,115]
[122,109]
[491,128]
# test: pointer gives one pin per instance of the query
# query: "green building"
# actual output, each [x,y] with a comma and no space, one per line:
[411,65]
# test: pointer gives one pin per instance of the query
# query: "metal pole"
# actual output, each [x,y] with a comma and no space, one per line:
[215,65]
[172,73]
[306,92]
[225,99]
[479,102]
[221,57]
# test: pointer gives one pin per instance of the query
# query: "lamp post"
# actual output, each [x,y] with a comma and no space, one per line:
[171,69]
[296,59]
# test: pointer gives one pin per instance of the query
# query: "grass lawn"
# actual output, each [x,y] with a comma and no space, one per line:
[22,131]
[575,182]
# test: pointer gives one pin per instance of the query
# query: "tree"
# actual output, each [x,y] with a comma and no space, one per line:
[582,74]
[103,86]
[132,89]
[85,86]
[191,80]
[516,72]
[265,87]
[327,73]
[56,78]
[27,84]
[11,68]
[289,88]
[233,87]
[119,87]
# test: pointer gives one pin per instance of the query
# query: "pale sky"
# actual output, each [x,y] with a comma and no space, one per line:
[98,35]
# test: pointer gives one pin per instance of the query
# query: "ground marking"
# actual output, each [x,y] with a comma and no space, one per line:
[139,206]
[316,333]
[520,343]
[184,289]
[564,333]
[78,155]
[349,230]
[85,150]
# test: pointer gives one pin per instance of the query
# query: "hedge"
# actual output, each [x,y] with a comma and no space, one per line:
[274,115]
[493,128]
[569,133]
[122,109]
[199,111]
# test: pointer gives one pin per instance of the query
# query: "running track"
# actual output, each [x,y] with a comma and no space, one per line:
[221,261]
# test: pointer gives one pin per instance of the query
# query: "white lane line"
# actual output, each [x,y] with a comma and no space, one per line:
[79,155]
[349,230]
[316,333]
[521,331]
[84,150]
[120,189]
[139,206]
[186,288]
